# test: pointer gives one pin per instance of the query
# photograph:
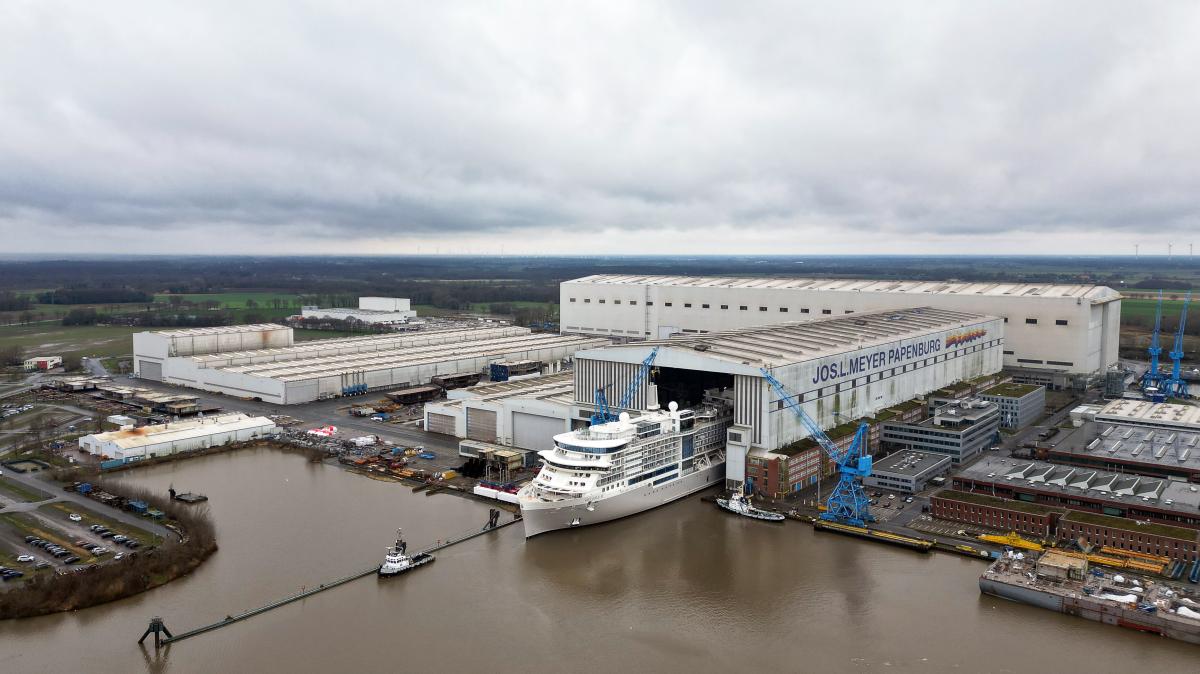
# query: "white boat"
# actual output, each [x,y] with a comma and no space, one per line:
[396,562]
[627,466]
[740,505]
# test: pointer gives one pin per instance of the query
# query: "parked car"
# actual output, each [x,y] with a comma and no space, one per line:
[120,538]
[25,559]
[75,517]
[71,560]
[119,555]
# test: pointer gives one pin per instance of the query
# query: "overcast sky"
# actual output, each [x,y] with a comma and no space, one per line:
[572,127]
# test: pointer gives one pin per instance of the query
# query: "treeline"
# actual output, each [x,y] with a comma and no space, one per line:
[137,573]
[10,301]
[1156,283]
[95,296]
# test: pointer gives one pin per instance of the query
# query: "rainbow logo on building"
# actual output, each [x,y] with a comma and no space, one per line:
[964,337]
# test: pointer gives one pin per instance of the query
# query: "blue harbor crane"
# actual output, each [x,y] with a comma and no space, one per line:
[1175,386]
[1153,379]
[848,503]
[603,414]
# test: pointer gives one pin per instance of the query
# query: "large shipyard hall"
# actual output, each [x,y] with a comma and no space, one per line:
[1055,334]
[839,368]
[264,362]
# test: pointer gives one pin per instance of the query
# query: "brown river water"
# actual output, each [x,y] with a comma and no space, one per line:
[684,588]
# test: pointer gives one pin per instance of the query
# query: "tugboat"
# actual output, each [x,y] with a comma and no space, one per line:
[740,505]
[397,562]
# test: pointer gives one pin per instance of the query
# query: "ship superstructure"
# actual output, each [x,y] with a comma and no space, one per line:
[623,467]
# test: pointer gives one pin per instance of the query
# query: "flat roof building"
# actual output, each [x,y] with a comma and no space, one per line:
[373,310]
[1131,448]
[1136,497]
[146,442]
[1053,331]
[524,413]
[1020,404]
[957,430]
[907,471]
[328,368]
[838,368]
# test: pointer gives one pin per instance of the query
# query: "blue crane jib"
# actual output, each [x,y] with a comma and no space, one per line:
[848,503]
[603,413]
[1153,379]
[1174,385]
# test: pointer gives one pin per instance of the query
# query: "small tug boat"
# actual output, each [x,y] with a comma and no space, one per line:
[397,562]
[740,505]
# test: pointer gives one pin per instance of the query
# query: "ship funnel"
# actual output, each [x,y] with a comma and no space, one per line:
[652,396]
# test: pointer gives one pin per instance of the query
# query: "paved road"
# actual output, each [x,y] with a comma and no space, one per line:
[58,495]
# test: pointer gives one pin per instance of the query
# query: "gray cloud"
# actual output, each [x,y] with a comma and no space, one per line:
[544,121]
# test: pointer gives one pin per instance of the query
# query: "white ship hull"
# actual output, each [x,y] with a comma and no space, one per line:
[540,516]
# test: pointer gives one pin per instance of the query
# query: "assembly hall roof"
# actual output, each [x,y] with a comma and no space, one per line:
[992,289]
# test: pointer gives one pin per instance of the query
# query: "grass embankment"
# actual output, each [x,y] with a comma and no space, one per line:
[136,573]
[21,492]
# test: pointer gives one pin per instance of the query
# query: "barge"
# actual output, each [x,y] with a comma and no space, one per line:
[1064,583]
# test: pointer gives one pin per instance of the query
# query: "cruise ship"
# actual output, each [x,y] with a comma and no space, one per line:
[627,466]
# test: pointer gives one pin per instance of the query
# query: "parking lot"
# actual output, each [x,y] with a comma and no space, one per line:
[46,533]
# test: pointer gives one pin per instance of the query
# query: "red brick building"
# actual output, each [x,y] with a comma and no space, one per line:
[1127,534]
[996,513]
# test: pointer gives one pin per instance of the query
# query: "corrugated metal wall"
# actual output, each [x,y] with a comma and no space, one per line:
[481,424]
[748,404]
[150,370]
[440,423]
[613,377]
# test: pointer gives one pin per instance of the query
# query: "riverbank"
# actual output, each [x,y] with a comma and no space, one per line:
[113,580]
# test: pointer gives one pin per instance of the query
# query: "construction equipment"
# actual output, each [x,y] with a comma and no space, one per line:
[848,504]
[1175,386]
[1152,381]
[1012,540]
[603,413]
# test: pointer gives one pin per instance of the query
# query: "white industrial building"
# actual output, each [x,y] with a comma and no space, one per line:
[524,413]
[375,310]
[289,373]
[1053,333]
[840,368]
[146,442]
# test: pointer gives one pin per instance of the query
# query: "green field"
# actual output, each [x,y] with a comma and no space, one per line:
[1131,308]
[51,339]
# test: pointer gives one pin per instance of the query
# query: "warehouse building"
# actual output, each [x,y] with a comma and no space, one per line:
[957,430]
[839,368]
[1029,519]
[523,413]
[907,472]
[1020,404]
[1136,497]
[373,310]
[42,362]
[1154,415]
[1054,333]
[341,367]
[1131,448]
[147,442]
[1058,523]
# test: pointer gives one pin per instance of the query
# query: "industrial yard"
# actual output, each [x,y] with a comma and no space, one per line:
[470,409]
